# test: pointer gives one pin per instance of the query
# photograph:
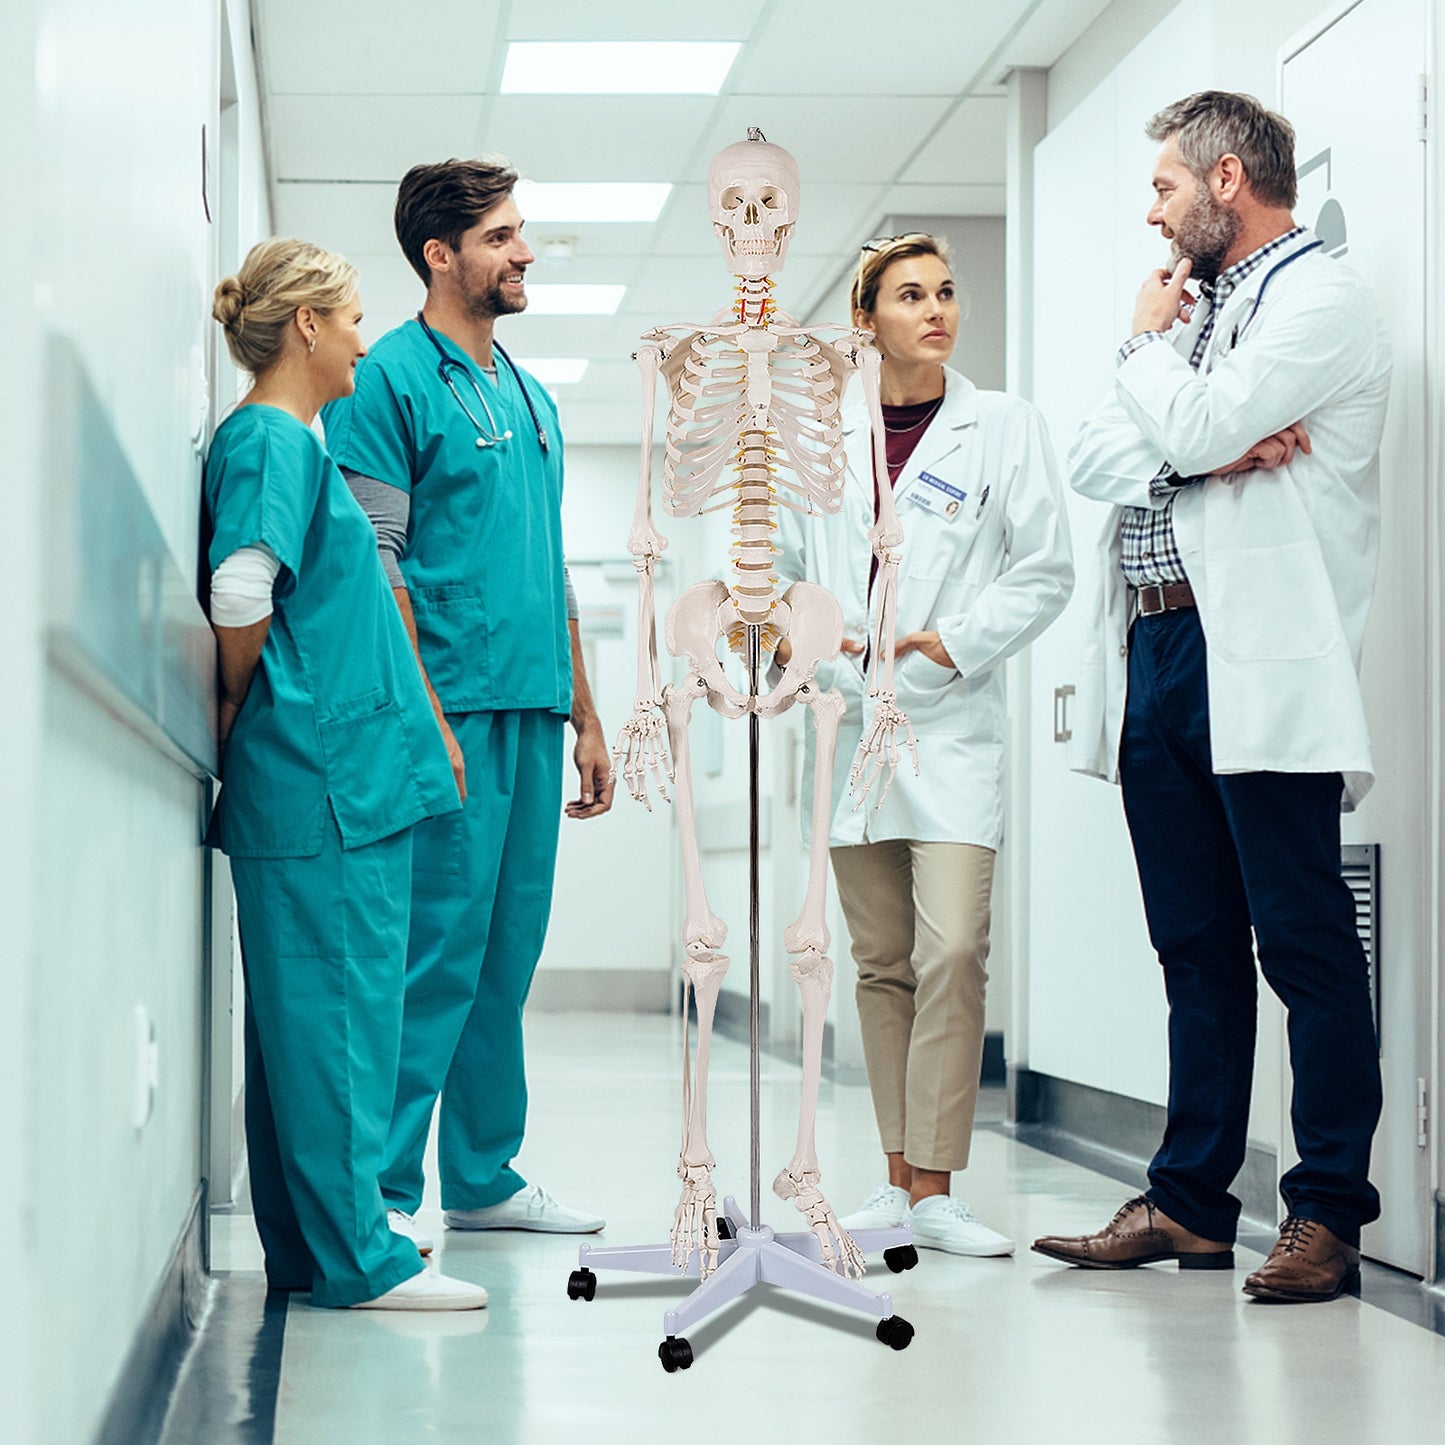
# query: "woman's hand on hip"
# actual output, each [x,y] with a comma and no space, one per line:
[930,644]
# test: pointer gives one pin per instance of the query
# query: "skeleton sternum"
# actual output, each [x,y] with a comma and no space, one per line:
[754,592]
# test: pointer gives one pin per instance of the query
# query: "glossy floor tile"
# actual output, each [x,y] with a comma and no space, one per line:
[1006,1350]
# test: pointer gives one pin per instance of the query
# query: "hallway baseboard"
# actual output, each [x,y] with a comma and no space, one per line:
[137,1409]
[1117,1136]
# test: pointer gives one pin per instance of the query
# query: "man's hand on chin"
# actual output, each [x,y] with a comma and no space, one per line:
[1162,299]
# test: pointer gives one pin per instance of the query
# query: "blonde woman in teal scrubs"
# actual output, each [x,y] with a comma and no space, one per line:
[331,752]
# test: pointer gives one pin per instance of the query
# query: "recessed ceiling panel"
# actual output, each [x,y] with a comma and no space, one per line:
[969,146]
[369,137]
[969,200]
[861,140]
[329,47]
[634,20]
[355,219]
[853,48]
[598,138]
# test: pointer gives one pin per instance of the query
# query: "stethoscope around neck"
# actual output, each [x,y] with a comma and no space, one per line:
[448,366]
[1240,327]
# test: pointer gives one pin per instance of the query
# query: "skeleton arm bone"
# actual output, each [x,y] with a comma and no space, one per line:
[641,748]
[878,751]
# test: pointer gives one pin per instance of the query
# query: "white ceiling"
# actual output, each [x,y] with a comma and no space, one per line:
[886,116]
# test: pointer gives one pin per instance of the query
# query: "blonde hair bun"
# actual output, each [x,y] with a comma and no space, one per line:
[257,304]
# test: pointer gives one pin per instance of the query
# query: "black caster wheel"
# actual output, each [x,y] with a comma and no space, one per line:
[905,1256]
[724,1227]
[895,1332]
[581,1284]
[675,1354]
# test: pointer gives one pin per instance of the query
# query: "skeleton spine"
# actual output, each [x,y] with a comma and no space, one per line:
[754,592]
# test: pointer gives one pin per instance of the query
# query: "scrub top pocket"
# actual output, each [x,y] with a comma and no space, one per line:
[371,781]
[451,626]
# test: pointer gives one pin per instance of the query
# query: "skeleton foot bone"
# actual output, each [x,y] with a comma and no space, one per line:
[694,1221]
[840,1254]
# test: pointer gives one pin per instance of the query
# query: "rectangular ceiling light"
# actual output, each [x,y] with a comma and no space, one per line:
[554,370]
[545,299]
[617,67]
[582,201]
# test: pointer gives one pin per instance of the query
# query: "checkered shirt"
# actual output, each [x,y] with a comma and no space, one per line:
[1150,553]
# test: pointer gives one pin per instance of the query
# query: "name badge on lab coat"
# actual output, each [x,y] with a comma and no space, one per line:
[941,498]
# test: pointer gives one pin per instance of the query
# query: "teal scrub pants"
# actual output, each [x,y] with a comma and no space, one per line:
[481,893]
[323,944]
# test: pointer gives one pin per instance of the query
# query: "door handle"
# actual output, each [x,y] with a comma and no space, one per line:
[1062,731]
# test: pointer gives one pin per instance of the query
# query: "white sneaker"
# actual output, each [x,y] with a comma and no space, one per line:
[885,1208]
[943,1222]
[402,1223]
[427,1291]
[531,1207]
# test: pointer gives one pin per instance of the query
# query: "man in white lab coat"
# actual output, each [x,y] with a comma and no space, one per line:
[1239,449]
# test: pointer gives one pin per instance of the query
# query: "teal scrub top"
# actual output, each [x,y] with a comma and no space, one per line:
[336,717]
[483,559]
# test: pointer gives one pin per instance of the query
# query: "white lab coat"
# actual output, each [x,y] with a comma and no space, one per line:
[988,578]
[1282,562]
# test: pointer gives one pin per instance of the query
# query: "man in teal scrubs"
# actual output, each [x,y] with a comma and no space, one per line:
[456,455]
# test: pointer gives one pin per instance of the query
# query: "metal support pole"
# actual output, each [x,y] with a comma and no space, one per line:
[755,1081]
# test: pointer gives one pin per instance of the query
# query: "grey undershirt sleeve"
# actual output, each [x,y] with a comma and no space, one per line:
[389,510]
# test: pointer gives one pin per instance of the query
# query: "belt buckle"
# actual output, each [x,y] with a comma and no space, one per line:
[1151,600]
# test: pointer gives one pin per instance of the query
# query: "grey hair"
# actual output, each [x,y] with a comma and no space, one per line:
[1217,123]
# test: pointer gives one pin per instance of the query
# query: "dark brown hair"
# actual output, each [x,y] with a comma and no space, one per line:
[445,200]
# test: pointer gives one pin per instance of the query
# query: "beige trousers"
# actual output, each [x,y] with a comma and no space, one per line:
[919,917]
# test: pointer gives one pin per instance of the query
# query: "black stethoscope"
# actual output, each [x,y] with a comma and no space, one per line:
[448,365]
[1241,326]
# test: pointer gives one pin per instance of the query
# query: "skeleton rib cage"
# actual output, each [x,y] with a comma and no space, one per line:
[752,428]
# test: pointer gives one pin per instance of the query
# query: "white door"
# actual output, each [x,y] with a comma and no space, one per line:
[1352,93]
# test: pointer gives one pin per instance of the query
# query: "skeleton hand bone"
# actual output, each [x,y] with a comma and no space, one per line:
[641,749]
[694,1222]
[839,1252]
[878,751]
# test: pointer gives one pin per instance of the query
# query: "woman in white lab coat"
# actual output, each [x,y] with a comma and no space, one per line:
[986,566]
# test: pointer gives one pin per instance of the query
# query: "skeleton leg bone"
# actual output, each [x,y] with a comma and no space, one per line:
[813,972]
[694,1228]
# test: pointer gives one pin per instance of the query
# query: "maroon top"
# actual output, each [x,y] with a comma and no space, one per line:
[902,427]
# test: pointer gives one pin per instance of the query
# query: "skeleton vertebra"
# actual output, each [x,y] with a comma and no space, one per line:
[754,423]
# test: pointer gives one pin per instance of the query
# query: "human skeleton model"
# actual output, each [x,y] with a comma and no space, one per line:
[755,421]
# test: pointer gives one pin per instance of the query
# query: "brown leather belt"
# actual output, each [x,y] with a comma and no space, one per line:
[1169,597]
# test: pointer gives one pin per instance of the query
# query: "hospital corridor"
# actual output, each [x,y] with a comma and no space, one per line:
[723,722]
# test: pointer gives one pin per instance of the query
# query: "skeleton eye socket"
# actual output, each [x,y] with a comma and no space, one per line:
[732,198]
[771,198]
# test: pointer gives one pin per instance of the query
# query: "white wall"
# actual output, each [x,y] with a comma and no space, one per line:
[101,889]
[20,718]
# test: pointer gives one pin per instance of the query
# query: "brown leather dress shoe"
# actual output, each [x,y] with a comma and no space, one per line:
[1307,1264]
[1138,1234]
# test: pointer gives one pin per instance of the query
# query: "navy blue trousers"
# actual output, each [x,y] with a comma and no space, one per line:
[1217,857]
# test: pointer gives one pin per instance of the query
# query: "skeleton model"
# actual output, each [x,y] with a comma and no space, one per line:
[755,422]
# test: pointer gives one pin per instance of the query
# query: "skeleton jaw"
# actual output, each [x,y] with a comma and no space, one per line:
[753,258]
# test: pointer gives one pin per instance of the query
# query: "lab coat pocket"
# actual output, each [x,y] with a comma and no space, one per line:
[926,692]
[1269,604]
[370,780]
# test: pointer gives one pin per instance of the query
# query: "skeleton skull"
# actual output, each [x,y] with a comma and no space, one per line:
[753,202]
